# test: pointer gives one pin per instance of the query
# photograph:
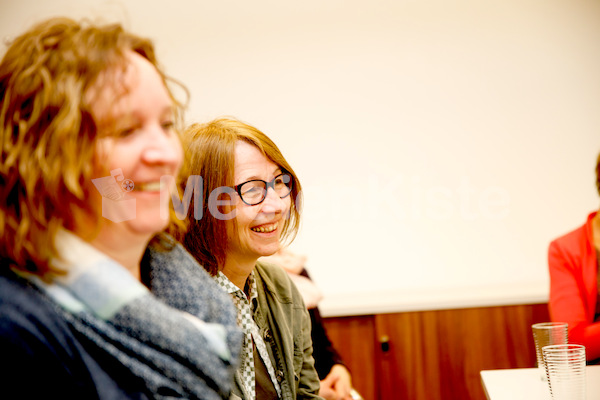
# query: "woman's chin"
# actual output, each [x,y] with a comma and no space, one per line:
[268,250]
[148,227]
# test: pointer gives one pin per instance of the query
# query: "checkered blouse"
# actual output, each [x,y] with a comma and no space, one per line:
[251,331]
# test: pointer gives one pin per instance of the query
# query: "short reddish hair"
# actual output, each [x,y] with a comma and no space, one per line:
[210,153]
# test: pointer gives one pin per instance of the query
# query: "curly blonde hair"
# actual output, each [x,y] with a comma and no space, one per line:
[48,133]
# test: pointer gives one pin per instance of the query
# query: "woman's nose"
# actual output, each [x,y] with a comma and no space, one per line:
[163,149]
[273,203]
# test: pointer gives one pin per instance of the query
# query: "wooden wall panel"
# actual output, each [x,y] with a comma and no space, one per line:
[435,354]
[354,338]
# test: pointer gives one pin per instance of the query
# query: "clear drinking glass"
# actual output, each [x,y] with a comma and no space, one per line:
[565,368]
[548,333]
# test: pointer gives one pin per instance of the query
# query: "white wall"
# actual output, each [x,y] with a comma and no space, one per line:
[441,144]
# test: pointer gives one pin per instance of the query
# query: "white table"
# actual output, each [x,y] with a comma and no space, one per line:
[525,384]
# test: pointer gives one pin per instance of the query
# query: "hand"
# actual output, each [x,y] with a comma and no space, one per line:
[287,260]
[337,384]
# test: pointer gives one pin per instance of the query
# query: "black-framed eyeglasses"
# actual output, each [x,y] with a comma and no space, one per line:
[255,191]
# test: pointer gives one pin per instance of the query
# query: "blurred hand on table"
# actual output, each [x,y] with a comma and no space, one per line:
[337,385]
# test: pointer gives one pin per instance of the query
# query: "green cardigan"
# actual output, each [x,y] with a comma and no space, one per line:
[284,324]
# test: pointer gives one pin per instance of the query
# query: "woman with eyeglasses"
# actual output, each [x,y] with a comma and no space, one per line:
[249,205]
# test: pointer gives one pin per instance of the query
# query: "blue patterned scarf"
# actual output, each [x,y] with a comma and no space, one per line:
[180,337]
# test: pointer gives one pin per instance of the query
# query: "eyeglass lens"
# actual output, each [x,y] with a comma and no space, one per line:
[254,192]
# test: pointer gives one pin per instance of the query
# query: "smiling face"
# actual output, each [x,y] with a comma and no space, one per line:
[134,114]
[259,227]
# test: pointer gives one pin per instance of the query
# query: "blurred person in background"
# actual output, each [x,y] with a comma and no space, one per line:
[95,301]
[574,282]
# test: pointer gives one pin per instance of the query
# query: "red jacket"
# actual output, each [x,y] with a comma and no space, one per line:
[573,289]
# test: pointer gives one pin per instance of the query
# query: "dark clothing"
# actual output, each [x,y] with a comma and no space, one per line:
[325,355]
[42,356]
[98,333]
